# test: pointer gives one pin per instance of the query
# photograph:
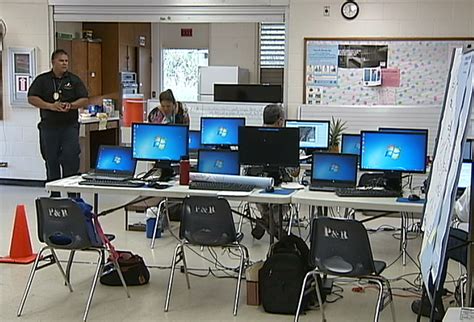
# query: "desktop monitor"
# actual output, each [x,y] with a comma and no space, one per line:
[351,144]
[194,140]
[159,142]
[248,93]
[467,150]
[269,146]
[313,134]
[218,161]
[402,130]
[465,175]
[221,131]
[390,151]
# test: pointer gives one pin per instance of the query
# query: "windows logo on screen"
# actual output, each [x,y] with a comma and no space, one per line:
[393,152]
[117,159]
[222,132]
[334,168]
[219,164]
[160,143]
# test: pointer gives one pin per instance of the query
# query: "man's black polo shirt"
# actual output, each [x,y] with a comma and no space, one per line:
[69,87]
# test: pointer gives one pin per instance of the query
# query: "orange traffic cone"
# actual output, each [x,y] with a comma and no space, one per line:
[20,247]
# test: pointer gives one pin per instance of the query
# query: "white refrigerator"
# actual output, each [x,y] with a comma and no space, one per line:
[209,75]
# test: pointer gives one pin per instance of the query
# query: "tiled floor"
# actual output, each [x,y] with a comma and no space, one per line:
[209,299]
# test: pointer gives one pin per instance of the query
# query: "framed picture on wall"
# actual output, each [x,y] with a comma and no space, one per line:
[22,70]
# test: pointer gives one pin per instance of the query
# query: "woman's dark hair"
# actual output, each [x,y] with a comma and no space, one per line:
[58,52]
[167,96]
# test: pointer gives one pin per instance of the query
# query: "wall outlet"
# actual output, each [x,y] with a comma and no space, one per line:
[327,11]
[3,164]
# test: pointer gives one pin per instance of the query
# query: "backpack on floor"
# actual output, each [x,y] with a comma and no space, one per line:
[282,275]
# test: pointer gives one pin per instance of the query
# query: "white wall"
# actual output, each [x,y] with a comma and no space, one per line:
[170,36]
[235,44]
[388,18]
[74,28]
[27,23]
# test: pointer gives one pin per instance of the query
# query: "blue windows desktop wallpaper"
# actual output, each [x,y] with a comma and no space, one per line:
[220,162]
[337,167]
[159,142]
[393,151]
[195,140]
[220,131]
[351,144]
[115,159]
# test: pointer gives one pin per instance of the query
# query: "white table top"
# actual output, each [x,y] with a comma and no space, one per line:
[329,199]
[71,184]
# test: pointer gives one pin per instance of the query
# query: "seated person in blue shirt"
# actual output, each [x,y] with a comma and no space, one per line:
[273,116]
[456,250]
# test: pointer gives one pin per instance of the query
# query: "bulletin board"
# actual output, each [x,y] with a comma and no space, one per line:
[377,71]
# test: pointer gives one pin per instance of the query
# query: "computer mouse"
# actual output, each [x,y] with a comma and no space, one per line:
[413,197]
[269,189]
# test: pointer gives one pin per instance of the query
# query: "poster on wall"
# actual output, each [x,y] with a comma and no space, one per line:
[363,56]
[321,69]
[372,76]
[313,95]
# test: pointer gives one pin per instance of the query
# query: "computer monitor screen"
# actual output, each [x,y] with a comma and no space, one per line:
[248,93]
[465,175]
[220,162]
[334,167]
[402,130]
[194,140]
[221,131]
[390,151]
[159,142]
[351,143]
[115,159]
[269,146]
[467,150]
[313,134]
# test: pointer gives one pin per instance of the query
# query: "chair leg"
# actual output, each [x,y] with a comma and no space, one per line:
[98,269]
[298,308]
[185,265]
[69,265]
[170,280]
[392,305]
[318,294]
[65,276]
[160,206]
[119,272]
[243,260]
[379,299]
[461,286]
[30,281]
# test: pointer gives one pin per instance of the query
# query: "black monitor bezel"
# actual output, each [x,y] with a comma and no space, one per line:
[471,141]
[403,130]
[160,161]
[312,121]
[389,170]
[215,151]
[267,165]
[222,118]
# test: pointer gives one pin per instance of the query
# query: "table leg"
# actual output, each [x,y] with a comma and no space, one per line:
[96,203]
[404,237]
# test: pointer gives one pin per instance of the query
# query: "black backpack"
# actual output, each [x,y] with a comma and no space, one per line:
[282,275]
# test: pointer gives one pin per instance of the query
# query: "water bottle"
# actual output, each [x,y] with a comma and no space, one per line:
[184,167]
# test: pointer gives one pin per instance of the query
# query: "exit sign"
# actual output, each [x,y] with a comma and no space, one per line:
[186,32]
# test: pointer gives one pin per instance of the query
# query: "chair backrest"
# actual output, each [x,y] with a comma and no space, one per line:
[207,221]
[341,246]
[61,223]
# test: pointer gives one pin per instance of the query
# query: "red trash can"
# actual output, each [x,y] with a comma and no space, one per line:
[133,110]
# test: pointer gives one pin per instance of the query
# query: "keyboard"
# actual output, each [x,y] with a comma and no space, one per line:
[223,186]
[112,183]
[354,192]
[109,177]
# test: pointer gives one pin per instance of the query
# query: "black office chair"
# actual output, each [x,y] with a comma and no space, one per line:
[62,225]
[207,221]
[341,247]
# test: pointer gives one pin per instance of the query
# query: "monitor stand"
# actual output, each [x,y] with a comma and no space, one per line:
[161,171]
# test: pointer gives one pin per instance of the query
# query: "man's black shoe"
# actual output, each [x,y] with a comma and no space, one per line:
[425,306]
[258,231]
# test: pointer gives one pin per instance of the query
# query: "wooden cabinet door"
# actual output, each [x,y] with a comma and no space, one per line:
[94,69]
[78,60]
[144,72]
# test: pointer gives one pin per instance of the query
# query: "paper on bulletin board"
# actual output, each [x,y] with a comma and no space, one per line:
[313,95]
[387,96]
[391,77]
[102,124]
[321,69]
[372,76]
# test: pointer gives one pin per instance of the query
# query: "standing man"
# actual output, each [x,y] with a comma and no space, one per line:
[59,94]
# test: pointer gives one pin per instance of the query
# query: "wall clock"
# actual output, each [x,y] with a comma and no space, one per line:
[350,10]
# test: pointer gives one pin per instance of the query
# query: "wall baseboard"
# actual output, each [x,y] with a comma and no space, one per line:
[22,182]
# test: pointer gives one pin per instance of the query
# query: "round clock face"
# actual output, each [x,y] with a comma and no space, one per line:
[350,10]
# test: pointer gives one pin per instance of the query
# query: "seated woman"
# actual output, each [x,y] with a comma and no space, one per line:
[169,111]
